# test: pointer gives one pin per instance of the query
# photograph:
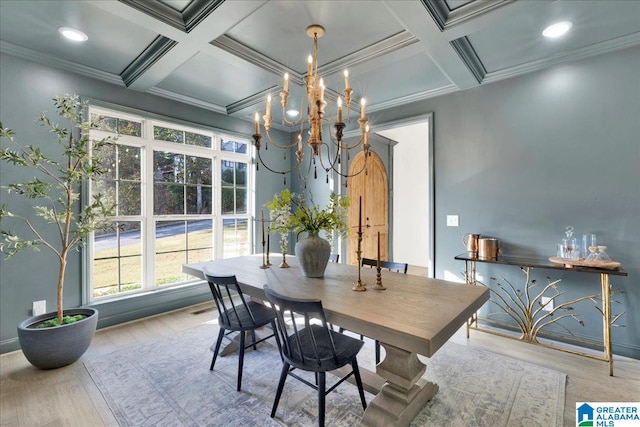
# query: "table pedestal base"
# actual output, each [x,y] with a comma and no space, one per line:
[404,394]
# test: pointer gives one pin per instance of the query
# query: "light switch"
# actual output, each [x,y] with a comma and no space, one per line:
[452,220]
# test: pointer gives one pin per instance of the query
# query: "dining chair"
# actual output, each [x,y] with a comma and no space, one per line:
[399,267]
[238,315]
[312,347]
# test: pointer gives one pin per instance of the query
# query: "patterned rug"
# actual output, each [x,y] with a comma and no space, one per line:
[168,383]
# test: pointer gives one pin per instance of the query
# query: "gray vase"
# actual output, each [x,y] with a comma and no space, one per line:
[55,347]
[312,253]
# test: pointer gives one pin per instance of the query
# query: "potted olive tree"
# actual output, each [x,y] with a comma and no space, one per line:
[55,339]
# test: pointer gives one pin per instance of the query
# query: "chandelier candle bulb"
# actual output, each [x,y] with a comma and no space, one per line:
[346,79]
[321,90]
[339,110]
[286,82]
[268,105]
[362,103]
[257,122]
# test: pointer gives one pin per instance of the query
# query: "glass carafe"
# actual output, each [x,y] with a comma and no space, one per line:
[569,245]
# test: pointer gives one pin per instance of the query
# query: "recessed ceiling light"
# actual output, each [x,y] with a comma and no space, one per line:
[73,34]
[293,113]
[558,29]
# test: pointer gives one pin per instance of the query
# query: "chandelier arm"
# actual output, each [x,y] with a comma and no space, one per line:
[348,175]
[283,147]
[344,146]
[283,172]
[330,162]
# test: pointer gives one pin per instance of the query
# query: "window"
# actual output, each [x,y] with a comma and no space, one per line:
[172,207]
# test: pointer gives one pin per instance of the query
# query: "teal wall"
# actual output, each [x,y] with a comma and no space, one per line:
[521,159]
[518,159]
[26,90]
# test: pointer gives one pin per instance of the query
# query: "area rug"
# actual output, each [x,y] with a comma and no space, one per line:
[167,382]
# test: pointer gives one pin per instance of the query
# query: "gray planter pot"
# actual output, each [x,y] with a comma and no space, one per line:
[51,348]
[312,254]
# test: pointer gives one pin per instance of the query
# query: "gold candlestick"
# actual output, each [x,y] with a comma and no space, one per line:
[358,285]
[378,286]
[265,257]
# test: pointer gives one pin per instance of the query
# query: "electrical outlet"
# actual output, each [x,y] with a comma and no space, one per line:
[452,220]
[39,307]
[547,303]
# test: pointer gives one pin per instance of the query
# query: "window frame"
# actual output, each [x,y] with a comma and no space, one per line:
[148,220]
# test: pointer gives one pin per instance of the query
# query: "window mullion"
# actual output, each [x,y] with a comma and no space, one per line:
[149,277]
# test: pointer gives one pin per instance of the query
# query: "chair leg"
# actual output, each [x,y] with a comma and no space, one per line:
[283,378]
[356,374]
[321,397]
[253,335]
[377,352]
[275,334]
[217,349]
[240,359]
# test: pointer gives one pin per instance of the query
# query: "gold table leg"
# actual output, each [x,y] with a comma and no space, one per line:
[606,320]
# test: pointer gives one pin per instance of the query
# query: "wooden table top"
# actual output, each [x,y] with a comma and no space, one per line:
[414,313]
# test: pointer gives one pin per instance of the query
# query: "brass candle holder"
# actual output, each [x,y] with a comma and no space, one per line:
[378,286]
[358,285]
[284,264]
[265,254]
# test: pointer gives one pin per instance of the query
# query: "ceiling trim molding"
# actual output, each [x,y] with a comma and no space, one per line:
[159,11]
[576,55]
[74,67]
[446,18]
[467,53]
[187,99]
[420,96]
[254,57]
[197,11]
[376,50]
[250,100]
[152,54]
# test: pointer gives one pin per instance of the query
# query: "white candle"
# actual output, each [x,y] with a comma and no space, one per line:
[321,89]
[309,66]
[346,79]
[299,142]
[362,102]
[257,121]
[339,110]
[286,82]
[269,105]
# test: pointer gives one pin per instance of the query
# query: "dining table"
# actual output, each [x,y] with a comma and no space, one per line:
[414,315]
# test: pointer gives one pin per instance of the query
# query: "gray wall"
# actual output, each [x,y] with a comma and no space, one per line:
[518,159]
[522,158]
[27,89]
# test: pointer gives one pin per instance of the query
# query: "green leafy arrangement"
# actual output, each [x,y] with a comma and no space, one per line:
[54,190]
[290,212]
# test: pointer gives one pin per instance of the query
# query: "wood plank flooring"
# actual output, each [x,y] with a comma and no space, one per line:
[67,397]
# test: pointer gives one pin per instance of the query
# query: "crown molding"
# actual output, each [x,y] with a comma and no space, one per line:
[576,55]
[376,50]
[32,55]
[471,60]
[446,18]
[152,54]
[420,96]
[184,21]
[187,100]
[250,100]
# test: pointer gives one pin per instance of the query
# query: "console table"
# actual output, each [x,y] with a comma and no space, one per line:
[526,264]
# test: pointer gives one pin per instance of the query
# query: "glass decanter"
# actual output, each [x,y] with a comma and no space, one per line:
[569,245]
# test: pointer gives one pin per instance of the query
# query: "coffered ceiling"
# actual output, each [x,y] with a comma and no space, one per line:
[227,56]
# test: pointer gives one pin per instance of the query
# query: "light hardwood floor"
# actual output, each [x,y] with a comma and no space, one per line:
[68,397]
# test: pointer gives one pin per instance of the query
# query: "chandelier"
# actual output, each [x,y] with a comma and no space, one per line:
[325,148]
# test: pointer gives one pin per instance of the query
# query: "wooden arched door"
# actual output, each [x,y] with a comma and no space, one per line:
[373,187]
